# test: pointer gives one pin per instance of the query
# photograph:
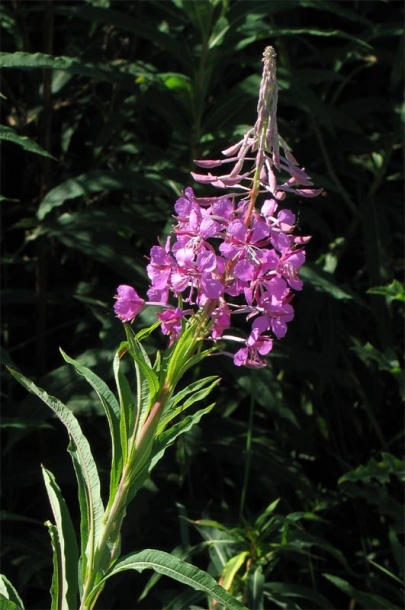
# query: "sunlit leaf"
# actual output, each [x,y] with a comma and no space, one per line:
[179,570]
[91,506]
[65,578]
[9,598]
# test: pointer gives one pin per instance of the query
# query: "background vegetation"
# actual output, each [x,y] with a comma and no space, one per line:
[298,472]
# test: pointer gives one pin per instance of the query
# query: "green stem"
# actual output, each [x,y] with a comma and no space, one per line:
[108,544]
[113,519]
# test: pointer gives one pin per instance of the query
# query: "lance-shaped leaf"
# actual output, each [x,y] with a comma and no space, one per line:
[148,386]
[30,61]
[7,133]
[7,604]
[232,567]
[167,438]
[91,506]
[9,598]
[179,570]
[160,443]
[186,398]
[127,404]
[65,586]
[181,356]
[57,577]
[112,411]
[254,588]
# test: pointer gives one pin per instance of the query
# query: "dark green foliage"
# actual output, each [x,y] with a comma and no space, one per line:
[137,91]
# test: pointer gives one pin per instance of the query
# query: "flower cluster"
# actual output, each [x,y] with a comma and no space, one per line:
[216,257]
[224,256]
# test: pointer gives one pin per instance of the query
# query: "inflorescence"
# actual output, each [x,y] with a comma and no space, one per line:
[224,257]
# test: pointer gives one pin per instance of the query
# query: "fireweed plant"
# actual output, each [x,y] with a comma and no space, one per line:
[228,255]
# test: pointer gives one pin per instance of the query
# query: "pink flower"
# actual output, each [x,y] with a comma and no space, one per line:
[221,320]
[248,357]
[128,304]
[257,345]
[171,323]
[159,270]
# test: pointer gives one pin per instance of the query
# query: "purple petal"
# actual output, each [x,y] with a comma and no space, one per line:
[128,303]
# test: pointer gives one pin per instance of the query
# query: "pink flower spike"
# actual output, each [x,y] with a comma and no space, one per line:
[128,304]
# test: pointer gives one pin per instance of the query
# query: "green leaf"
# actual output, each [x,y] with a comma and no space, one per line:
[179,570]
[9,134]
[393,292]
[232,567]
[99,234]
[5,358]
[57,576]
[167,438]
[220,541]
[145,375]
[9,598]
[127,408]
[283,592]
[91,506]
[325,282]
[84,185]
[31,61]
[369,601]
[398,552]
[255,587]
[112,411]
[198,391]
[381,471]
[127,23]
[7,604]
[178,359]
[65,584]
[160,443]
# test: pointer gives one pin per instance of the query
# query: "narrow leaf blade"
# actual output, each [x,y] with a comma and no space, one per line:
[91,506]
[66,591]
[112,411]
[9,598]
[179,570]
